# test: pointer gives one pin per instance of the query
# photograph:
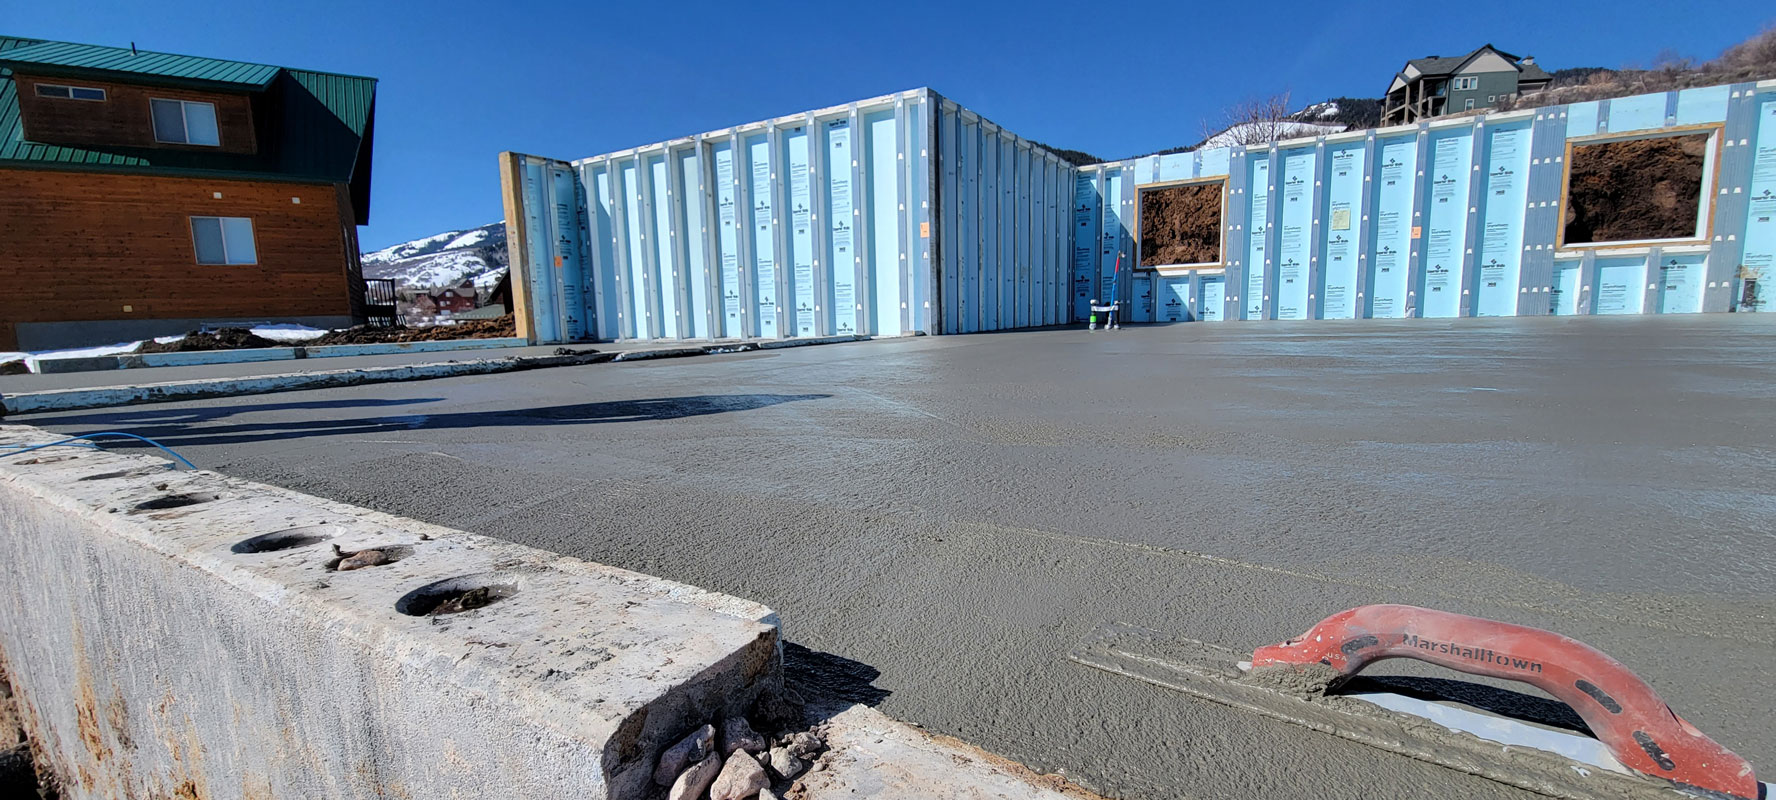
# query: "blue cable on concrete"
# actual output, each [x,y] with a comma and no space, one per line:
[69,442]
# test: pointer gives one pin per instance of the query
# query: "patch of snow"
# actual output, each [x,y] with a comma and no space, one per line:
[1284,130]
[409,249]
[168,339]
[447,268]
[469,239]
[1331,110]
[288,332]
[487,280]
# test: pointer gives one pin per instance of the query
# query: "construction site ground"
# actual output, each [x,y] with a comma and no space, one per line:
[939,520]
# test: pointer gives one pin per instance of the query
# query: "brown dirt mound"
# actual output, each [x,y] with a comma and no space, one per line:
[499,328]
[1181,225]
[1635,189]
[221,339]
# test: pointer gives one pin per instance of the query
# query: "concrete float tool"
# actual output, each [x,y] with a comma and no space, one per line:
[1641,747]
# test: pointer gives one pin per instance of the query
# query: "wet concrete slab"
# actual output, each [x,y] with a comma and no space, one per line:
[946,517]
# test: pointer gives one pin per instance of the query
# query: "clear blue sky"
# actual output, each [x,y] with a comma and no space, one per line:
[463,81]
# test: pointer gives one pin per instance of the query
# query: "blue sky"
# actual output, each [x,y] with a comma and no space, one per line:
[462,81]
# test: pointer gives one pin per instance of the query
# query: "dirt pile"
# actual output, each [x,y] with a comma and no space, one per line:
[220,339]
[1635,189]
[1181,225]
[498,328]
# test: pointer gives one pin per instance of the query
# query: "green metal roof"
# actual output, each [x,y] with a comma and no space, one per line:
[312,125]
[127,60]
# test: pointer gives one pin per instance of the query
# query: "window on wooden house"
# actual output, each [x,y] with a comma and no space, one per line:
[224,240]
[70,92]
[185,122]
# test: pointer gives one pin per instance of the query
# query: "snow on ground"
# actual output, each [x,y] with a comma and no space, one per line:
[1285,130]
[469,239]
[408,249]
[444,268]
[288,332]
[32,358]
[1331,110]
[277,333]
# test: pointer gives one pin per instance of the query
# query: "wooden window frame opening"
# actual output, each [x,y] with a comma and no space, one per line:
[1705,202]
[1206,266]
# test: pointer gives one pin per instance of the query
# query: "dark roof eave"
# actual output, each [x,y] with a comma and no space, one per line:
[142,79]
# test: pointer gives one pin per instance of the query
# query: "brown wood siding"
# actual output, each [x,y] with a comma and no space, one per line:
[125,117]
[83,246]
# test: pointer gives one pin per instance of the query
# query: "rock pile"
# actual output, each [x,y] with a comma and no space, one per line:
[733,761]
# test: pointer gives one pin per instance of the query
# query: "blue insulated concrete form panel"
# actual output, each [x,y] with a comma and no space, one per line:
[801,233]
[1446,222]
[1341,228]
[1260,190]
[657,198]
[1755,281]
[1295,229]
[841,239]
[1393,226]
[762,234]
[690,242]
[1505,191]
[887,240]
[728,230]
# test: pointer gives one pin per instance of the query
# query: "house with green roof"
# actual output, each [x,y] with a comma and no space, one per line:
[1436,85]
[147,194]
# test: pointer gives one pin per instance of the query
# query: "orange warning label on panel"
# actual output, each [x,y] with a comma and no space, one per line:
[1416,231]
[558,258]
[924,230]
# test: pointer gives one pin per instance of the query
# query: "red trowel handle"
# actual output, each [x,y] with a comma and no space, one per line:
[1626,714]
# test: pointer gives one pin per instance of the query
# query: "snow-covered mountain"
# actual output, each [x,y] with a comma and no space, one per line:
[444,259]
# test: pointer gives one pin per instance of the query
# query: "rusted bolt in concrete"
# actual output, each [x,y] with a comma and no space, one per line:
[456,595]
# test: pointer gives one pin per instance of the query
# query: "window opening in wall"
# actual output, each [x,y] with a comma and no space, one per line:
[224,240]
[1466,84]
[1639,189]
[185,122]
[1181,224]
[70,92]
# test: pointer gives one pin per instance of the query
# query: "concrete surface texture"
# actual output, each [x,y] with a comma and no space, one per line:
[182,634]
[942,519]
[877,757]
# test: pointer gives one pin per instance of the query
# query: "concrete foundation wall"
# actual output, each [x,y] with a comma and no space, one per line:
[152,658]
[1455,217]
[946,223]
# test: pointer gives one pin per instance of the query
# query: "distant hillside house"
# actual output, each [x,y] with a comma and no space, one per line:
[146,194]
[1434,86]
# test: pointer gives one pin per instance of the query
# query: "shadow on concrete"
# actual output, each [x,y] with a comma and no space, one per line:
[142,415]
[829,677]
[187,433]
